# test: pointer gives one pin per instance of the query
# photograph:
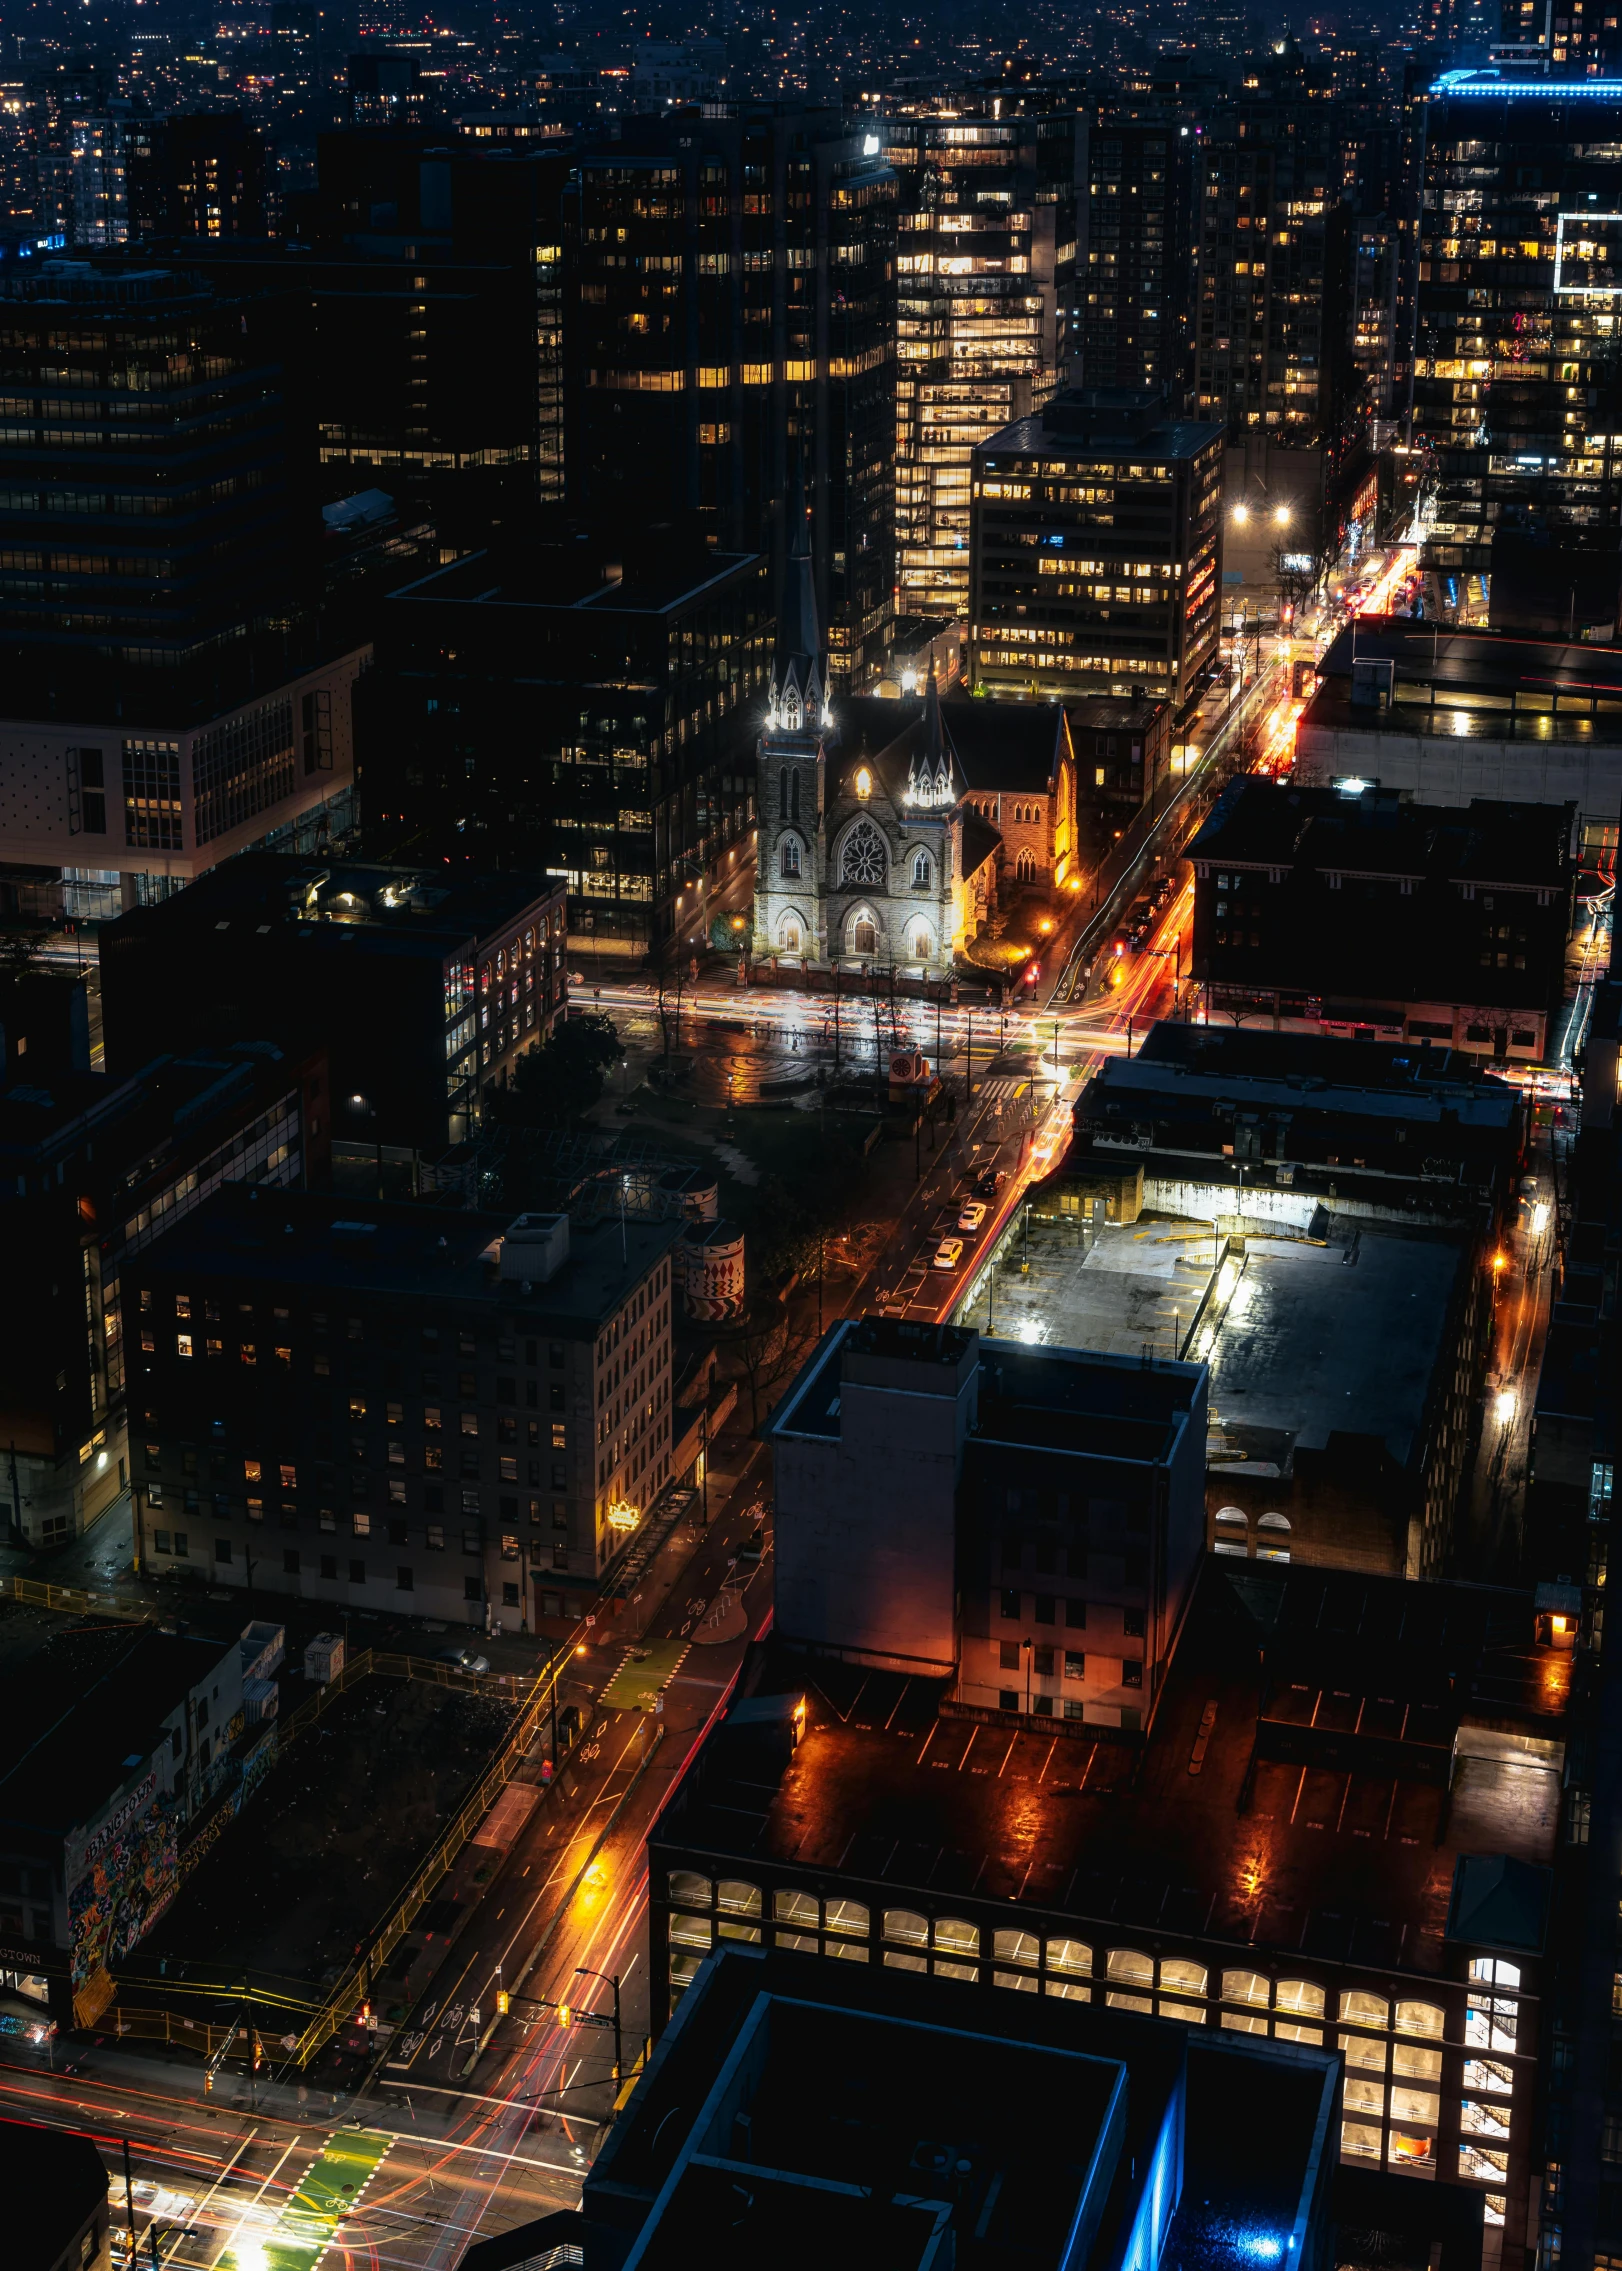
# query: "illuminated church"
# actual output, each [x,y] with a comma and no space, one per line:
[896,857]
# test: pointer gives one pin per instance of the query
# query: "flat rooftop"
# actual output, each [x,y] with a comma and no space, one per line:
[1259,823]
[1176,438]
[1073,1398]
[339,903]
[1329,1706]
[331,1246]
[83,1715]
[1319,1071]
[1318,1343]
[1025,2125]
[1472,684]
[628,578]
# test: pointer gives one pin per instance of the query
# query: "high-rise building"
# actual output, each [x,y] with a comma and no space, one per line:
[169,697]
[986,258]
[1135,281]
[1515,361]
[196,174]
[1097,551]
[732,298]
[1272,329]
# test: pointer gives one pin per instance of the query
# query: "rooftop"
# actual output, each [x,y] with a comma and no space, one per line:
[44,1119]
[1371,832]
[286,1238]
[1307,1073]
[640,577]
[83,1715]
[1328,1709]
[1029,2129]
[1103,1405]
[58,2182]
[337,903]
[1490,684]
[1006,747]
[1108,421]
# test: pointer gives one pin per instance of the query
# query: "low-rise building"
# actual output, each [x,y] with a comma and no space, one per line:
[811,2111]
[391,1406]
[1121,747]
[119,1736]
[1350,909]
[1338,1834]
[1442,715]
[425,985]
[1023,1522]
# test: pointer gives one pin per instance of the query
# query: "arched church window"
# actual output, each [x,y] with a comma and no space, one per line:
[920,867]
[864,860]
[795,796]
[790,860]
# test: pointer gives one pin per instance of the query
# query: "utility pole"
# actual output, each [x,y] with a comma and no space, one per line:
[609,1979]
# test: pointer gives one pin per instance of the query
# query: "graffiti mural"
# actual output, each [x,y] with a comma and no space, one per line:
[122,1879]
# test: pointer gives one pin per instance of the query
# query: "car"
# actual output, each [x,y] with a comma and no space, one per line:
[464,1659]
[990,1181]
[972,1215]
[948,1254]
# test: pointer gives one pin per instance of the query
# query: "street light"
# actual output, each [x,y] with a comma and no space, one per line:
[610,1979]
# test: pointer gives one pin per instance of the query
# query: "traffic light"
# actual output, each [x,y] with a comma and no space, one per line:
[564,2014]
[504,2002]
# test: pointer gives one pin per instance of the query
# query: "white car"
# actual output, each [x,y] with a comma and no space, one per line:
[974,1213]
[948,1254]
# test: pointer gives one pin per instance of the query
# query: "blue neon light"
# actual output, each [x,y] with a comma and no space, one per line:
[1549,90]
[1261,2247]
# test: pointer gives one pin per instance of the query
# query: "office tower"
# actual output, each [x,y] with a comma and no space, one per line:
[1274,252]
[477,1402]
[169,696]
[60,90]
[196,174]
[587,707]
[429,360]
[1097,551]
[986,256]
[1135,283]
[1515,366]
[732,305]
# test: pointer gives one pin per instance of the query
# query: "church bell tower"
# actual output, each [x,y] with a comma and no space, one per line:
[790,770]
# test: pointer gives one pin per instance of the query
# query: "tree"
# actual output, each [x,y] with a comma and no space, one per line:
[558,1083]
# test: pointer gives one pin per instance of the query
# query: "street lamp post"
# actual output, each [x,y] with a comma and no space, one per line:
[610,1979]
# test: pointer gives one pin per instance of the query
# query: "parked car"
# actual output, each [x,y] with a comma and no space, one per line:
[989,1181]
[973,1214]
[464,1659]
[948,1253]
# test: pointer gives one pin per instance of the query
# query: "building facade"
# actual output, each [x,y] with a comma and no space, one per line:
[378,1407]
[986,263]
[1097,552]
[732,307]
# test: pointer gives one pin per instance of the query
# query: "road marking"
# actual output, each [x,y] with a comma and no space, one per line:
[330,2190]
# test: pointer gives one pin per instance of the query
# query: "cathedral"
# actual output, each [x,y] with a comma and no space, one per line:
[872,859]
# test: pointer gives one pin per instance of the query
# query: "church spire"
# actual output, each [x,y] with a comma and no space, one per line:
[929,777]
[800,670]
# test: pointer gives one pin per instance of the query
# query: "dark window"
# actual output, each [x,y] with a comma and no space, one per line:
[1013,1552]
[1075,1615]
[398,1533]
[329,1565]
[404,1581]
[1008,1699]
[473,1588]
[506,1391]
[1044,1663]
[509,1596]
[1008,1655]
[357,1573]
[554,1355]
[1042,1705]
[290,1561]
[1046,1608]
[1131,1673]
[1132,1623]
[222,1549]
[1010,1604]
